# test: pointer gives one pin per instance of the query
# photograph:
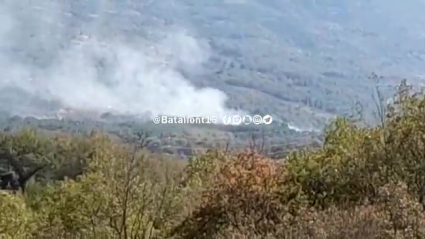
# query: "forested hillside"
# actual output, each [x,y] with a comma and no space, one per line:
[305,61]
[103,170]
[301,61]
[362,183]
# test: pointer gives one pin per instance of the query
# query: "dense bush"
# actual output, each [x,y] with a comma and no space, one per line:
[362,183]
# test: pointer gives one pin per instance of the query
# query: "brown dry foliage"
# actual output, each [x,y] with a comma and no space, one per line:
[363,183]
[241,188]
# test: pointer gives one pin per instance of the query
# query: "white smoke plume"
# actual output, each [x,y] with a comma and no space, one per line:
[103,56]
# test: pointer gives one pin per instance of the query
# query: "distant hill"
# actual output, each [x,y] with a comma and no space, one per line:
[303,62]
[296,59]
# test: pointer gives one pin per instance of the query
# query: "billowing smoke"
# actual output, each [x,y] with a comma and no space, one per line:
[100,55]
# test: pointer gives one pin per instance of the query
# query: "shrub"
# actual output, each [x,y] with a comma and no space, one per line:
[364,182]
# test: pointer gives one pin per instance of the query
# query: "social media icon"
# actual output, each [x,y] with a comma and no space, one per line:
[247,119]
[237,120]
[227,120]
[267,119]
[257,119]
